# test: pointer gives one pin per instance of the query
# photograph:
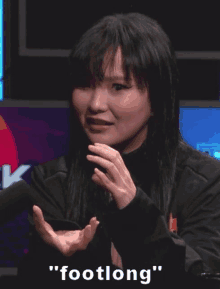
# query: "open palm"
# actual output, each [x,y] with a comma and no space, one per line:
[67,242]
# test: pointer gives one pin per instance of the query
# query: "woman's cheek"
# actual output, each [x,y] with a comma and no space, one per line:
[80,102]
[131,101]
[128,101]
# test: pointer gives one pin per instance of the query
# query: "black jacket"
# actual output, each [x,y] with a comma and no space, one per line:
[139,231]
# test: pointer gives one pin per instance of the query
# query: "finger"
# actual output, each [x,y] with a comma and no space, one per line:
[38,216]
[103,145]
[105,181]
[104,151]
[41,225]
[87,232]
[94,219]
[94,224]
[86,238]
[97,180]
[109,154]
[110,167]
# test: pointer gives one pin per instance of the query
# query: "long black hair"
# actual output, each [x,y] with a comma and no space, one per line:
[148,54]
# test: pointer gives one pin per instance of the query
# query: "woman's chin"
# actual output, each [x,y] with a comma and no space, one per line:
[120,146]
[101,140]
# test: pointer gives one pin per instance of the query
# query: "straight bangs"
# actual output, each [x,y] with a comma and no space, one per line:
[87,58]
[147,54]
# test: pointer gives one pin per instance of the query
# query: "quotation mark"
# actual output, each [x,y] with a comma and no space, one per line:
[55,268]
[155,268]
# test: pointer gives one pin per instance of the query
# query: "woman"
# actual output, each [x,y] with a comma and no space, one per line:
[127,170]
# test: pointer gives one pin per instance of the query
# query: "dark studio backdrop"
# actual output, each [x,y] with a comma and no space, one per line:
[43,31]
[38,36]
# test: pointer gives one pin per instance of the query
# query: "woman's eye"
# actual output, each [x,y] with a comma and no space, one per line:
[119,86]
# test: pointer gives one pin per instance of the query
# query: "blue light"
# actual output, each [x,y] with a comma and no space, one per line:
[1,49]
[200,129]
[217,155]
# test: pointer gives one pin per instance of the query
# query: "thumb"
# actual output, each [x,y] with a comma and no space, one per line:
[39,220]
[38,215]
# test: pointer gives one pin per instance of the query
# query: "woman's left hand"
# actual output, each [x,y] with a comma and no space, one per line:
[117,181]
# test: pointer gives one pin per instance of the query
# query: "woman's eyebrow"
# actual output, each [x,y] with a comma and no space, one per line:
[113,78]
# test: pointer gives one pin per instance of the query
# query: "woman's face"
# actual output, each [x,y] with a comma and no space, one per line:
[113,112]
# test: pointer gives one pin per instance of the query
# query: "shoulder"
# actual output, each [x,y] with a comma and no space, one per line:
[200,164]
[48,187]
[50,175]
[52,167]
[197,179]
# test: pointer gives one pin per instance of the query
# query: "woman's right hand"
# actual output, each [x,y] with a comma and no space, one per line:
[67,242]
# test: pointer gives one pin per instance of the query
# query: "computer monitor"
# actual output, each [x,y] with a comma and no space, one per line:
[199,125]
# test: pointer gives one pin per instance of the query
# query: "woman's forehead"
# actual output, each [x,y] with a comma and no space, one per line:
[114,71]
[117,62]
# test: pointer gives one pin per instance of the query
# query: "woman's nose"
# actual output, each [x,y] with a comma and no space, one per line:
[98,101]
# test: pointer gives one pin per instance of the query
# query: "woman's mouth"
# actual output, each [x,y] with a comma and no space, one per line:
[98,121]
[98,124]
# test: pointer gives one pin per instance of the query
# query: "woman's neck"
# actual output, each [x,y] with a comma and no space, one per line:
[128,147]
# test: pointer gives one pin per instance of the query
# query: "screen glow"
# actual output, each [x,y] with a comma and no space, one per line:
[200,128]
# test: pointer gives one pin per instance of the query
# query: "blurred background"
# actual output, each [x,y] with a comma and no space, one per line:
[36,38]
